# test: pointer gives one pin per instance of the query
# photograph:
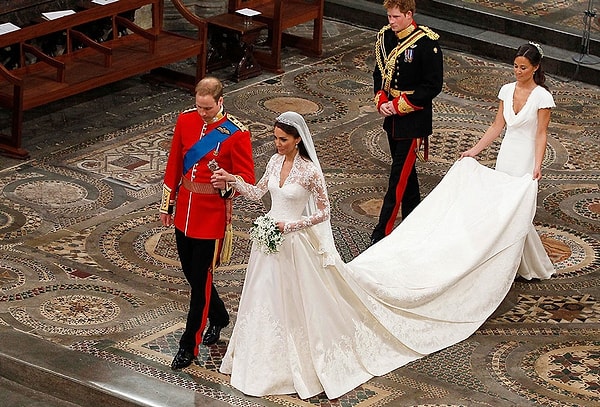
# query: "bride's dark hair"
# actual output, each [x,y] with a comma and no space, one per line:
[293,131]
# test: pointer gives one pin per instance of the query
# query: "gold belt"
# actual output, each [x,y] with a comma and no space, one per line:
[199,187]
[395,92]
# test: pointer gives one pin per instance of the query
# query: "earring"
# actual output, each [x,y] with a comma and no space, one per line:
[296,145]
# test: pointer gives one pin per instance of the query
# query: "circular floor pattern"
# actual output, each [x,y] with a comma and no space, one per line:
[567,368]
[10,276]
[262,102]
[347,150]
[588,207]
[16,270]
[17,220]
[327,81]
[577,206]
[288,103]
[483,87]
[369,142]
[69,195]
[573,254]
[357,206]
[79,310]
[157,246]
[578,107]
[115,247]
[580,153]
[51,193]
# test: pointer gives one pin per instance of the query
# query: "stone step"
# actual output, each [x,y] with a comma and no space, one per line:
[480,32]
[13,394]
[34,370]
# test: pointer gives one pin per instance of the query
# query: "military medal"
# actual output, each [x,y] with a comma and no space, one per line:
[213,165]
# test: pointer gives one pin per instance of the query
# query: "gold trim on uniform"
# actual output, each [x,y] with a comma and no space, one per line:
[395,92]
[387,63]
[165,200]
[223,130]
[405,32]
[218,116]
[430,33]
[404,107]
[377,98]
[238,123]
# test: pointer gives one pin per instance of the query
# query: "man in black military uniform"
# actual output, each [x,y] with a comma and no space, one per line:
[408,74]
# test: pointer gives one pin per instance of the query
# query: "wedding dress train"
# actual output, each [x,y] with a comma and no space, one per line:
[306,328]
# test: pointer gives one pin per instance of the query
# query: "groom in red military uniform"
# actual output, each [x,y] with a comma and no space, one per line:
[205,138]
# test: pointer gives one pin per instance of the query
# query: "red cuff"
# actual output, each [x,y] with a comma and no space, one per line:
[380,98]
[403,105]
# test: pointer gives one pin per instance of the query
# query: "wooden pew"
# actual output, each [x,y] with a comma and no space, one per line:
[87,63]
[280,15]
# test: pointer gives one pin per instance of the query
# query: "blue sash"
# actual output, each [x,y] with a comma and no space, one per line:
[208,143]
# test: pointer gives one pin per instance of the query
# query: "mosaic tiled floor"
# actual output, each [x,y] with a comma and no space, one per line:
[85,263]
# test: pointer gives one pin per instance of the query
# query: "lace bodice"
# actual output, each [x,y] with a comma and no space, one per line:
[289,203]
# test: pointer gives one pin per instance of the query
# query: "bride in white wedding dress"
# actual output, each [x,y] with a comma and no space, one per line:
[309,323]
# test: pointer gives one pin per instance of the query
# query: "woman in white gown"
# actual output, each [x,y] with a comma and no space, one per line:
[307,322]
[524,109]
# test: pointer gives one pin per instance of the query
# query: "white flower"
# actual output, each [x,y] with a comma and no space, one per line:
[266,234]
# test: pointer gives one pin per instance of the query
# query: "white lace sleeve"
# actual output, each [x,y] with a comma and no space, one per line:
[255,192]
[314,182]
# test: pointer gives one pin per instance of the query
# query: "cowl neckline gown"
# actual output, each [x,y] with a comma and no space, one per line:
[305,328]
[517,158]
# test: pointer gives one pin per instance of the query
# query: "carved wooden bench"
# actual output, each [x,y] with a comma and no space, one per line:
[87,63]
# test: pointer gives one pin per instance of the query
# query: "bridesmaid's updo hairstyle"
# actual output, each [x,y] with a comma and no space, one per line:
[534,54]
[293,131]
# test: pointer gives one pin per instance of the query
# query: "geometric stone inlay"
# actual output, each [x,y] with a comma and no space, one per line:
[557,204]
[451,365]
[561,368]
[129,162]
[557,250]
[368,206]
[573,368]
[80,310]
[572,253]
[110,245]
[5,219]
[285,103]
[588,208]
[161,246]
[51,193]
[10,277]
[546,309]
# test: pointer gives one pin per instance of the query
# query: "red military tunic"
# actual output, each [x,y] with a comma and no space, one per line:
[203,215]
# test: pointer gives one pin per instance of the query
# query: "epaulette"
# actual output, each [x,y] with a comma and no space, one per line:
[238,123]
[191,109]
[430,33]
[384,28]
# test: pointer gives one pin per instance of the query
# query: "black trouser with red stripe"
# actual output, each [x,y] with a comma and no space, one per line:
[196,256]
[403,187]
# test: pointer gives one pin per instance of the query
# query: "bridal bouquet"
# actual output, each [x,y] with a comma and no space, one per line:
[265,232]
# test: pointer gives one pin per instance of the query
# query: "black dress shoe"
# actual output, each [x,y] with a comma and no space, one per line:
[212,335]
[182,359]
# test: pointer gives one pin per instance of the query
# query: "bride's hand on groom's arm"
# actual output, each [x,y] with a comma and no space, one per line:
[220,178]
